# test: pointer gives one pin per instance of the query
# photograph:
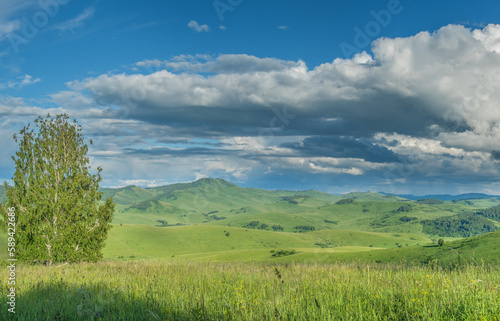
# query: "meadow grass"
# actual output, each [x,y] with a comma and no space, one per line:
[159,290]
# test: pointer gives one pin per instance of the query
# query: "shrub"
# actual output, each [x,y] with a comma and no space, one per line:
[345,201]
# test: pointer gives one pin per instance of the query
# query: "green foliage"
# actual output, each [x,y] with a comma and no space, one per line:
[296,199]
[156,290]
[163,223]
[430,201]
[405,208]
[144,205]
[3,196]
[464,225]
[491,213]
[440,242]
[407,218]
[305,227]
[345,201]
[277,227]
[215,217]
[58,217]
[252,224]
[284,253]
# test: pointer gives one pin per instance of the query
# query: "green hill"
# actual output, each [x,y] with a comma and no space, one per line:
[372,196]
[215,219]
[218,202]
[476,251]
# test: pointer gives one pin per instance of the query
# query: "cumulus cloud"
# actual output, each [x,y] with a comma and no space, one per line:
[344,147]
[429,102]
[222,64]
[197,27]
[448,78]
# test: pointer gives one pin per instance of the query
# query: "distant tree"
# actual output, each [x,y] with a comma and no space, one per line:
[440,242]
[430,201]
[277,227]
[305,228]
[407,218]
[252,224]
[405,208]
[56,199]
[345,201]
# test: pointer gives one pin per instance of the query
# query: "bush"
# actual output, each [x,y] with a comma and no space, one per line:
[252,224]
[284,253]
[263,226]
[463,225]
[430,201]
[345,201]
[405,208]
[305,227]
[407,218]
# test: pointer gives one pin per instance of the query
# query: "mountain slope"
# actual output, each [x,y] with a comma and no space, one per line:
[448,197]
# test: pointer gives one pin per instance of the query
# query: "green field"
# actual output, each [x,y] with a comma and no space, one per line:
[211,250]
[199,240]
[159,290]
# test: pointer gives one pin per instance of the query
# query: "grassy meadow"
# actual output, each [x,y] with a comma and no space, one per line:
[158,290]
[211,250]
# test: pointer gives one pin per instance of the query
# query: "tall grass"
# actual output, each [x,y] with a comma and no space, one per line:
[156,290]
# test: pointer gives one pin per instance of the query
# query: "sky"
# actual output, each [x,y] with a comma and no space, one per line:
[397,96]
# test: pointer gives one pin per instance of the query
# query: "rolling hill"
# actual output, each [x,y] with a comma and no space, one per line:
[217,202]
[217,220]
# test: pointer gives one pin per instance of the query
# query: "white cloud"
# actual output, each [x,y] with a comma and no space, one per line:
[283,27]
[76,22]
[431,98]
[9,27]
[72,99]
[197,27]
[143,182]
[20,82]
[8,10]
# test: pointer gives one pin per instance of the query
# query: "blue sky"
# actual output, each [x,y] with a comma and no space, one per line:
[339,96]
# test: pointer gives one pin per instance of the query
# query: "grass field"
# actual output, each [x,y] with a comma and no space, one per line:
[156,290]
[141,241]
[221,256]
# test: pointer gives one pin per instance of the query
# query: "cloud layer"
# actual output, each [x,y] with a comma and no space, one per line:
[420,109]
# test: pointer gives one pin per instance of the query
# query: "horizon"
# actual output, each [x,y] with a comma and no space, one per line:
[303,190]
[393,96]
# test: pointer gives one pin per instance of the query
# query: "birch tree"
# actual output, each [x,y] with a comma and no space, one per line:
[59,216]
